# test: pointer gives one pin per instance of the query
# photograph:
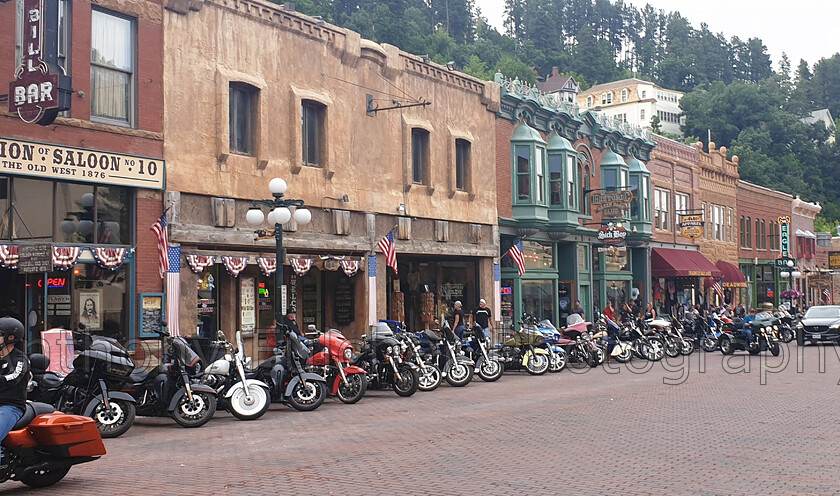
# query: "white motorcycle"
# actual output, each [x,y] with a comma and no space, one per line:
[245,399]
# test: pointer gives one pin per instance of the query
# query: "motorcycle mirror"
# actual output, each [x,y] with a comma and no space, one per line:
[221,336]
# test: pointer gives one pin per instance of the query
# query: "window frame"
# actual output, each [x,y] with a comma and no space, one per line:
[308,109]
[662,213]
[522,196]
[623,95]
[420,155]
[251,93]
[463,157]
[132,86]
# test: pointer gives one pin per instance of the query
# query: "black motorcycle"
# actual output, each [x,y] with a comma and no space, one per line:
[286,376]
[174,388]
[488,364]
[92,387]
[381,357]
[763,334]
[445,354]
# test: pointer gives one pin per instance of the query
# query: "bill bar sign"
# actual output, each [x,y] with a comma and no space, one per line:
[612,234]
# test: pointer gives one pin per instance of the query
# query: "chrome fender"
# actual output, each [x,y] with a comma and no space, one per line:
[535,351]
[251,383]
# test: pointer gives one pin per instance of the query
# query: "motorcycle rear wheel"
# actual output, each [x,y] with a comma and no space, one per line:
[672,348]
[537,364]
[459,375]
[653,349]
[45,478]
[408,382]
[354,390]
[557,362]
[197,412]
[243,408]
[787,335]
[708,344]
[431,379]
[309,397]
[114,421]
[625,356]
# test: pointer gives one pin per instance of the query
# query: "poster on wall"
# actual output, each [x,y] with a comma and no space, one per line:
[90,309]
[247,305]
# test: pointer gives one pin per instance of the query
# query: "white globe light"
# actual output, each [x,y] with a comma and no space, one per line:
[85,227]
[784,275]
[277,186]
[790,263]
[796,273]
[87,200]
[279,215]
[303,216]
[68,226]
[254,216]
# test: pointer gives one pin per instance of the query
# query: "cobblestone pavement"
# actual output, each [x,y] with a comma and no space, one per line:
[742,425]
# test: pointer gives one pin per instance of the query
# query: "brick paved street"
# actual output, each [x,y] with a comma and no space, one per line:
[578,432]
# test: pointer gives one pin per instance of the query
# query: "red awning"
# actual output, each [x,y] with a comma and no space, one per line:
[732,276]
[665,262]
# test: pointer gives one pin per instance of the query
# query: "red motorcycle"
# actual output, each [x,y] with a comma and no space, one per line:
[44,444]
[332,361]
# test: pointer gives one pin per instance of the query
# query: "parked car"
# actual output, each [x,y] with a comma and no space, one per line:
[820,323]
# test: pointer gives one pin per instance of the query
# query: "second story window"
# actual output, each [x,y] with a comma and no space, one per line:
[242,102]
[757,234]
[589,102]
[111,69]
[312,132]
[419,155]
[623,95]
[462,163]
[748,236]
[681,201]
[540,170]
[661,203]
[523,173]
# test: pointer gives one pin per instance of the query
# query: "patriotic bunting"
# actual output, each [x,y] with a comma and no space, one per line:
[110,258]
[200,262]
[64,257]
[350,267]
[267,265]
[9,256]
[235,265]
[301,265]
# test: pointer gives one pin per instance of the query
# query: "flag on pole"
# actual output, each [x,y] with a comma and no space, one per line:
[389,249]
[159,228]
[718,289]
[516,253]
[827,295]
[372,317]
[173,290]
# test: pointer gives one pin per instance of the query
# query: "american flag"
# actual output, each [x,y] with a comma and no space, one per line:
[516,253]
[173,290]
[827,295]
[159,228]
[389,249]
[718,289]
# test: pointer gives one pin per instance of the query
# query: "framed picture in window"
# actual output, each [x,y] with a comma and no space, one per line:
[90,309]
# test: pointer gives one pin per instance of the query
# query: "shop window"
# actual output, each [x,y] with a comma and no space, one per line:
[30,220]
[538,299]
[523,173]
[583,257]
[419,155]
[313,115]
[463,150]
[99,300]
[87,214]
[112,68]
[615,260]
[4,208]
[242,111]
[207,314]
[538,255]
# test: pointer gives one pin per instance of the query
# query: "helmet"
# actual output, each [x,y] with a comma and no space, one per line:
[11,327]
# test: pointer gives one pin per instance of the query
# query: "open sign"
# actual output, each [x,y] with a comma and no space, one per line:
[53,282]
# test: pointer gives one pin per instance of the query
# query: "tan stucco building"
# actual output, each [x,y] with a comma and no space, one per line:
[255,92]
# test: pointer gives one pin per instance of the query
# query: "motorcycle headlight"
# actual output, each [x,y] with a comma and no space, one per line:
[776,327]
[348,353]
[389,350]
[800,326]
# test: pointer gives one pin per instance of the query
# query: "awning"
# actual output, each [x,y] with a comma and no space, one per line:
[732,276]
[805,234]
[666,262]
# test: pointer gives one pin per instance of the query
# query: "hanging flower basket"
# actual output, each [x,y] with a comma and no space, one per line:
[792,294]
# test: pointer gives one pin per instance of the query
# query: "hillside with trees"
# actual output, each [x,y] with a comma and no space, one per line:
[731,85]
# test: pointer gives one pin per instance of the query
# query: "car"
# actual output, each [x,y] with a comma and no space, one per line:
[820,323]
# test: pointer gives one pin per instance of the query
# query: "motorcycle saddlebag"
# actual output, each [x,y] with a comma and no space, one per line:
[67,435]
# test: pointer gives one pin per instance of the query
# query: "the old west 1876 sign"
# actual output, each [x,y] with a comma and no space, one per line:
[79,164]
[40,90]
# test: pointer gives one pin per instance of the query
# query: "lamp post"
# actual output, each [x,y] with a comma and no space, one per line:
[789,273]
[280,214]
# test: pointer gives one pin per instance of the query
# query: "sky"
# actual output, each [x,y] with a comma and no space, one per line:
[802,29]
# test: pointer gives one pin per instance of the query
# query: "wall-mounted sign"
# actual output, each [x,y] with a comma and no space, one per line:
[783,262]
[784,232]
[45,161]
[35,259]
[691,225]
[40,89]
[834,260]
[247,305]
[612,204]
[612,234]
[819,281]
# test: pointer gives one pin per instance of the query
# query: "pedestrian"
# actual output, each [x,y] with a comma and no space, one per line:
[458,323]
[609,311]
[290,321]
[650,313]
[14,375]
[578,310]
[483,318]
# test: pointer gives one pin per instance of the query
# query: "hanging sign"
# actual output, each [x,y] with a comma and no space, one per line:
[247,304]
[35,259]
[691,225]
[612,234]
[834,260]
[613,204]
[784,231]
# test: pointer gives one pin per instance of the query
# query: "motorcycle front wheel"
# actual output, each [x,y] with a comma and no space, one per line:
[197,412]
[557,362]
[245,407]
[653,349]
[45,478]
[537,364]
[672,348]
[708,344]
[774,348]
[786,334]
[687,347]
[492,370]
[354,390]
[625,356]
[459,375]
[431,379]
[116,420]
[309,397]
[407,383]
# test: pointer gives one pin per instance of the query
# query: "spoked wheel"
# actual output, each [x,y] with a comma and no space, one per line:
[305,398]
[774,348]
[786,334]
[672,349]
[354,390]
[45,478]
[687,346]
[459,375]
[197,412]
[726,346]
[407,383]
[557,361]
[431,379]
[116,420]
[491,370]
[625,356]
[537,364]
[653,349]
[248,406]
[708,344]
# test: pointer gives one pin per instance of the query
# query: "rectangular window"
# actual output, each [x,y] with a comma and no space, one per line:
[757,234]
[555,169]
[742,231]
[312,132]
[111,69]
[763,235]
[680,206]
[538,255]
[718,214]
[749,232]
[610,181]
[642,115]
[634,205]
[540,174]
[419,155]
[570,180]
[661,209]
[241,109]
[462,163]
[731,237]
[623,95]
[523,173]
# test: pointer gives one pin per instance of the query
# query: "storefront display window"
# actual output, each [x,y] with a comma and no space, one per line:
[538,299]
[506,317]
[583,257]
[207,312]
[538,255]
[31,218]
[615,260]
[618,292]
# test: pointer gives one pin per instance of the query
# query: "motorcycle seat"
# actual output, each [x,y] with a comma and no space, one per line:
[431,336]
[32,410]
[564,341]
[51,380]
[137,376]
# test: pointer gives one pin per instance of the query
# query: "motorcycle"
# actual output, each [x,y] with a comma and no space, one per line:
[429,375]
[579,344]
[645,346]
[608,332]
[286,375]
[445,353]
[332,361]
[661,328]
[763,338]
[487,363]
[687,345]
[381,357]
[44,444]
[786,324]
[92,387]
[557,358]
[173,389]
[245,399]
[524,350]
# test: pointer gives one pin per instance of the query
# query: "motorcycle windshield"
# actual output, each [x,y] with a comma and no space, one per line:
[546,324]
[184,353]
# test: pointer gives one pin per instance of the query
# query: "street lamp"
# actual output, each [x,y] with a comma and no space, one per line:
[280,214]
[789,273]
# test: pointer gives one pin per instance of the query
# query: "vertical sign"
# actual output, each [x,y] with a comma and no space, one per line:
[247,305]
[784,236]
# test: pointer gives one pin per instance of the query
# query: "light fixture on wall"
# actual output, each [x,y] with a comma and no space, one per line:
[341,199]
[401,209]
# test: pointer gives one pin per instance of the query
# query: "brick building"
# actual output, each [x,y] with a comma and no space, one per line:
[85,188]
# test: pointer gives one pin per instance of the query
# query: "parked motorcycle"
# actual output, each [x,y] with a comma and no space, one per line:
[445,353]
[608,332]
[92,388]
[524,350]
[488,364]
[786,324]
[245,399]
[415,350]
[762,328]
[286,375]
[173,389]
[332,361]
[557,358]
[661,328]
[579,344]
[645,346]
[381,357]
[44,444]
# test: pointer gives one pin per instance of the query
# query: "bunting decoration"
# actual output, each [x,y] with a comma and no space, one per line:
[235,265]
[64,257]
[200,262]
[372,317]
[9,256]
[301,265]
[110,258]
[350,267]
[267,265]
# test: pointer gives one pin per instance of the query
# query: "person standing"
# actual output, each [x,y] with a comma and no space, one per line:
[609,311]
[458,324]
[14,375]
[578,310]
[289,321]
[483,318]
